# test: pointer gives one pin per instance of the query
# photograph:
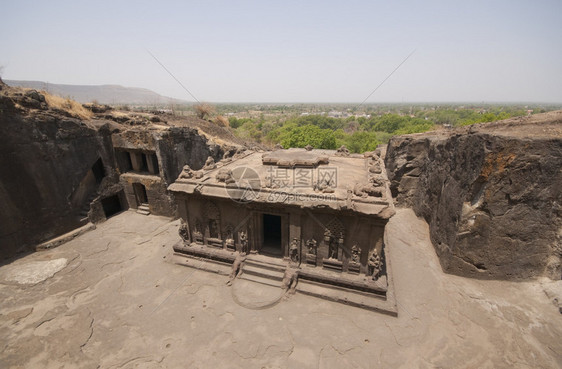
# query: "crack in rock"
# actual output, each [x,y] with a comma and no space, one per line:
[100,251]
[91,328]
[118,262]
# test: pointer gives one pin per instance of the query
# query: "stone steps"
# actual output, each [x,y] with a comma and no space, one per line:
[257,278]
[263,272]
[143,209]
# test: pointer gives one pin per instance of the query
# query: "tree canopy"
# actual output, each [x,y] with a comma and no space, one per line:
[293,135]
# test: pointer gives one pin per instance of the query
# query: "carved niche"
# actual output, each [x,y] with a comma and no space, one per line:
[294,250]
[243,242]
[184,232]
[229,238]
[212,224]
[375,264]
[198,232]
[334,236]
[312,250]
[354,265]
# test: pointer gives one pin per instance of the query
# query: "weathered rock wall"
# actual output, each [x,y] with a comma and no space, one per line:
[43,160]
[179,146]
[492,195]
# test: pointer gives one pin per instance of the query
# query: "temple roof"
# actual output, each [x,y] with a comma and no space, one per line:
[296,177]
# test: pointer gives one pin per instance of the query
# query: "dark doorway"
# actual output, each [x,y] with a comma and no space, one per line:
[98,170]
[154,167]
[140,193]
[144,167]
[272,235]
[111,205]
[124,160]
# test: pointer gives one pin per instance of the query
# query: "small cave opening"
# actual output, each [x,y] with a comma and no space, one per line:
[98,170]
[111,205]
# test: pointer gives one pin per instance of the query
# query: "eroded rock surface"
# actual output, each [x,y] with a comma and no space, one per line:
[58,163]
[491,194]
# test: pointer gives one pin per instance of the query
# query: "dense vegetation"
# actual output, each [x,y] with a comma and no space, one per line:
[362,133]
[360,128]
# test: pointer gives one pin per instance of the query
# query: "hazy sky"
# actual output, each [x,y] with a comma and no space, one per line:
[292,51]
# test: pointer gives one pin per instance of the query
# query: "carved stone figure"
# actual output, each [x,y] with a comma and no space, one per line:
[366,190]
[228,154]
[225,175]
[243,237]
[209,164]
[325,186]
[213,228]
[294,250]
[375,168]
[237,268]
[327,235]
[354,265]
[333,248]
[184,231]
[342,151]
[186,172]
[375,264]
[290,279]
[312,246]
[229,238]
[377,180]
[355,254]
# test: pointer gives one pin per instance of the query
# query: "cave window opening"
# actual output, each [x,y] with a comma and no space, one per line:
[111,206]
[144,165]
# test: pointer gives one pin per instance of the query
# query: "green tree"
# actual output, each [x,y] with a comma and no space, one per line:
[301,136]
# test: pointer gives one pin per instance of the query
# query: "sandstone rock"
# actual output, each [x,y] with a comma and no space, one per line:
[491,194]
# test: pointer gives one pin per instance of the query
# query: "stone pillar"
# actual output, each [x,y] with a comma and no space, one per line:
[294,231]
[136,160]
[253,233]
[151,165]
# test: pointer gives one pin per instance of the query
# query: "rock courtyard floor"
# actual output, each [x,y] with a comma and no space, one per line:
[116,297]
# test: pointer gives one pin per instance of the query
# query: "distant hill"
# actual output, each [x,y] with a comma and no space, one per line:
[103,94]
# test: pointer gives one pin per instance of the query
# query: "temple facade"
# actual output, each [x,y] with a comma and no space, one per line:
[321,212]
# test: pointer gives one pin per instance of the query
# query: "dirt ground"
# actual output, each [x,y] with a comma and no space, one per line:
[116,297]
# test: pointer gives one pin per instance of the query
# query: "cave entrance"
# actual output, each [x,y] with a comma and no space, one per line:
[272,235]
[140,193]
[111,205]
[98,170]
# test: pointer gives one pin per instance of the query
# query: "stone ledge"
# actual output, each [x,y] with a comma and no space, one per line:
[55,242]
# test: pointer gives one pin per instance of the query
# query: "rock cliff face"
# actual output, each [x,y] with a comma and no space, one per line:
[57,170]
[491,193]
[43,159]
